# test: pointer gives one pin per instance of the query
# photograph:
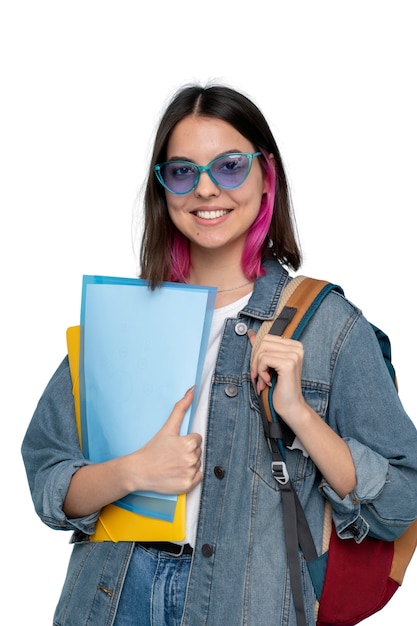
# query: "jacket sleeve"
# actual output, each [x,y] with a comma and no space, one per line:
[51,453]
[366,411]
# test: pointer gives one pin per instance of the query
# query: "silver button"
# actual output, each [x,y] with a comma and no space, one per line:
[230,390]
[241,328]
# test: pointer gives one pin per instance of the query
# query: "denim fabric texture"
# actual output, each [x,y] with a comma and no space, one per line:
[238,574]
[154,589]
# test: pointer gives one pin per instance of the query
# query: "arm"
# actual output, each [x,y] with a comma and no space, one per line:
[58,472]
[326,448]
[168,463]
[364,410]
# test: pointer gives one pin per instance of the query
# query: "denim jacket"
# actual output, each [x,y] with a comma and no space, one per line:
[239,574]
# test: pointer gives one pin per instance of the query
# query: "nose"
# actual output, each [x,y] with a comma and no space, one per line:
[206,187]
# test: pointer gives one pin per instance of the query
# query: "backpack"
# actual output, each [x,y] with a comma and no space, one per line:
[351,580]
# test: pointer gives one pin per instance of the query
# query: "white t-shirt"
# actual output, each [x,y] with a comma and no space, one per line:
[199,423]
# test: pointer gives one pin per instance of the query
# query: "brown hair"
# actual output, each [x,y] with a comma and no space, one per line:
[236,109]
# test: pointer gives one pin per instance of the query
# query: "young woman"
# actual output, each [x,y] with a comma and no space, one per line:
[217,212]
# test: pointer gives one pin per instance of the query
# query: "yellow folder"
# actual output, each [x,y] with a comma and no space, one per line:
[115,523]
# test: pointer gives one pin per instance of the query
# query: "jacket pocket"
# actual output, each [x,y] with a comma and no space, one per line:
[300,466]
[93,584]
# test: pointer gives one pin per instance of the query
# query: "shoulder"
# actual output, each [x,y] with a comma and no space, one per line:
[57,399]
[330,318]
[60,380]
[338,327]
[336,307]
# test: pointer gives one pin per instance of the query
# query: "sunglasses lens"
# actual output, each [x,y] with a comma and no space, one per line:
[178,176]
[230,170]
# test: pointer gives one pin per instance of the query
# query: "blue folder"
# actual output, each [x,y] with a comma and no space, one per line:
[140,351]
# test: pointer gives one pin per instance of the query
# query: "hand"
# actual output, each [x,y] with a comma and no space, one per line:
[285,357]
[327,450]
[169,463]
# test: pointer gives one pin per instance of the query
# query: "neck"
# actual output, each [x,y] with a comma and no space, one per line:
[219,267]
[248,282]
[228,296]
[224,280]
[231,285]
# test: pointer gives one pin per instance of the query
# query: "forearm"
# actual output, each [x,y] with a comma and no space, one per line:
[327,450]
[94,486]
[168,463]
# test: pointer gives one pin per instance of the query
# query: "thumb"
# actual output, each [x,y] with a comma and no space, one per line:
[173,424]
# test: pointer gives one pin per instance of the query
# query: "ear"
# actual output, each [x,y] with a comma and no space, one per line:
[266,186]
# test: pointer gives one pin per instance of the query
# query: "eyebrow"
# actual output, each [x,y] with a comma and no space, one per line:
[184,158]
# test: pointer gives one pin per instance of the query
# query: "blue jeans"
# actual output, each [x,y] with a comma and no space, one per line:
[154,590]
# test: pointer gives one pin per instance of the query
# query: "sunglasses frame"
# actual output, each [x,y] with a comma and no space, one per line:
[205,168]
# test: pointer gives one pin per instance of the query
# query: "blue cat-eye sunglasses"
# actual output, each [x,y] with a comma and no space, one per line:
[227,171]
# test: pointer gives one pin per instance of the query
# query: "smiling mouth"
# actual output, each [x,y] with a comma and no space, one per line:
[210,215]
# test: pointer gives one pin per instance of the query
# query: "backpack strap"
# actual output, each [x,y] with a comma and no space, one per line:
[297,305]
[385,346]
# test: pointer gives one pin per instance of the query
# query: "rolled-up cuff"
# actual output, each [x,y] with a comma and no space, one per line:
[54,495]
[371,475]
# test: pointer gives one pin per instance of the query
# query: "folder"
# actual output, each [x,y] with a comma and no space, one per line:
[114,523]
[140,351]
[132,355]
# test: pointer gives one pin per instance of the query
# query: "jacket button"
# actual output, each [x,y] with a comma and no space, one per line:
[219,472]
[207,550]
[241,328]
[230,390]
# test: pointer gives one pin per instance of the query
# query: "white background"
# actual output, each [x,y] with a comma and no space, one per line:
[83,85]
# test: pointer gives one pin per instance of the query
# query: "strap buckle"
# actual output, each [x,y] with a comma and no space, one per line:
[280,472]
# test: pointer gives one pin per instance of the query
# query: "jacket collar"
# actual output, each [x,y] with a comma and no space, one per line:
[267,291]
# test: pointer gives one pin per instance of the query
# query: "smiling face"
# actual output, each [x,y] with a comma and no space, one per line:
[213,218]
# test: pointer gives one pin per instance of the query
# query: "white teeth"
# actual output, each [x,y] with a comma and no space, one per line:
[210,215]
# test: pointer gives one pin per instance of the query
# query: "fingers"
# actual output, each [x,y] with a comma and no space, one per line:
[251,336]
[187,447]
[179,455]
[192,475]
[280,354]
[256,377]
[186,462]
